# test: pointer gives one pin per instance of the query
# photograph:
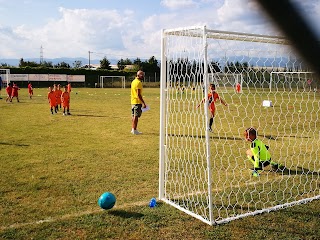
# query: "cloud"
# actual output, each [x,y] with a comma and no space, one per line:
[120,33]
[178,4]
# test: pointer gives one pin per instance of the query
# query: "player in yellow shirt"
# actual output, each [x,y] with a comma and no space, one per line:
[137,102]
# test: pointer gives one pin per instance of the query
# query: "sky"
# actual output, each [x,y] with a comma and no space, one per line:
[122,28]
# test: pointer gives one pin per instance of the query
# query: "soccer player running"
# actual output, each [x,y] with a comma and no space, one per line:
[14,92]
[137,102]
[30,90]
[52,100]
[65,100]
[258,154]
[213,96]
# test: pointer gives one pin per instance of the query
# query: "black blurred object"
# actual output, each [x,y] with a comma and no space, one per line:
[293,25]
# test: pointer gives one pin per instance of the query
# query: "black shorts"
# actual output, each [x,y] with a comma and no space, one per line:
[136,110]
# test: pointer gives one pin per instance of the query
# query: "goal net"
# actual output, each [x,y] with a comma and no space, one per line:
[112,81]
[5,77]
[207,174]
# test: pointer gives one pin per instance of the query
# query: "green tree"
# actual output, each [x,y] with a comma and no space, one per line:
[62,65]
[105,64]
[46,64]
[23,63]
[121,64]
[77,64]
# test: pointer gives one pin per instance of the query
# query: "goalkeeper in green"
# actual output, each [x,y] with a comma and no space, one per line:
[258,154]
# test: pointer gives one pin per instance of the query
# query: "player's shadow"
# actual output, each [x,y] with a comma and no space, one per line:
[14,144]
[298,171]
[126,214]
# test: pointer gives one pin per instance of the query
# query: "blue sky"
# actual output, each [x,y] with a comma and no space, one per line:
[121,28]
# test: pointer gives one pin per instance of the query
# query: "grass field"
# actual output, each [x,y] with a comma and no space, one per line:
[54,168]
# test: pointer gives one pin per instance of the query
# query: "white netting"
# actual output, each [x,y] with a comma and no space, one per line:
[207,174]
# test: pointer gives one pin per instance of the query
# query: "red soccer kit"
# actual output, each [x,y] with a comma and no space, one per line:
[30,89]
[65,99]
[58,93]
[213,97]
[52,99]
[14,92]
[9,90]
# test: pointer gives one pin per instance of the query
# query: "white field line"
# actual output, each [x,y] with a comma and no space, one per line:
[68,216]
[79,214]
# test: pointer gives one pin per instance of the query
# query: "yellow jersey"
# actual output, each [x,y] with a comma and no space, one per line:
[135,85]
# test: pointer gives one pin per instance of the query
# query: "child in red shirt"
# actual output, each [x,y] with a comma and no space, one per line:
[9,92]
[14,92]
[58,93]
[30,90]
[52,100]
[213,96]
[65,100]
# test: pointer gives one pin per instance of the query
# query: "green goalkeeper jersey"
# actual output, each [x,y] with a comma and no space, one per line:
[260,151]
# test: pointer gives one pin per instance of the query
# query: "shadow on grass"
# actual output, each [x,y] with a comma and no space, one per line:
[203,136]
[126,214]
[297,171]
[88,115]
[284,136]
[14,144]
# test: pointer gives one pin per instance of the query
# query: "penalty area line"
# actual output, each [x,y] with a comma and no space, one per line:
[68,216]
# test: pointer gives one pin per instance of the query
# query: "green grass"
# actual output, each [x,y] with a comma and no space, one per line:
[54,168]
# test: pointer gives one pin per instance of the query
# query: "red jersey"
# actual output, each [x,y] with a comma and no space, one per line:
[30,89]
[65,99]
[58,93]
[212,97]
[14,92]
[9,90]
[52,99]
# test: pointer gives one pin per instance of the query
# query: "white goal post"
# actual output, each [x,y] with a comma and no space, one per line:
[207,174]
[112,81]
[5,77]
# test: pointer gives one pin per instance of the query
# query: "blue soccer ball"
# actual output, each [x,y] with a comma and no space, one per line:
[107,200]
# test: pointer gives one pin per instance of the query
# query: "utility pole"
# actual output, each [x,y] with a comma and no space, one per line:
[89,60]
[41,55]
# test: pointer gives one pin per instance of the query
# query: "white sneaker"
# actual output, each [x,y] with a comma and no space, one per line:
[135,132]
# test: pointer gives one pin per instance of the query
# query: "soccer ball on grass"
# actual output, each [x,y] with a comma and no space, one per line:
[107,200]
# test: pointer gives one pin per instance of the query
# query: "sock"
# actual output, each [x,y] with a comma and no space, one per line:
[210,122]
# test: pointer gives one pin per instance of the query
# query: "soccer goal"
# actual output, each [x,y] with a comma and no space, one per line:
[226,81]
[112,81]
[291,81]
[5,77]
[207,174]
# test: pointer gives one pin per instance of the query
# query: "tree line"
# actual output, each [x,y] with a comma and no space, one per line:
[150,65]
